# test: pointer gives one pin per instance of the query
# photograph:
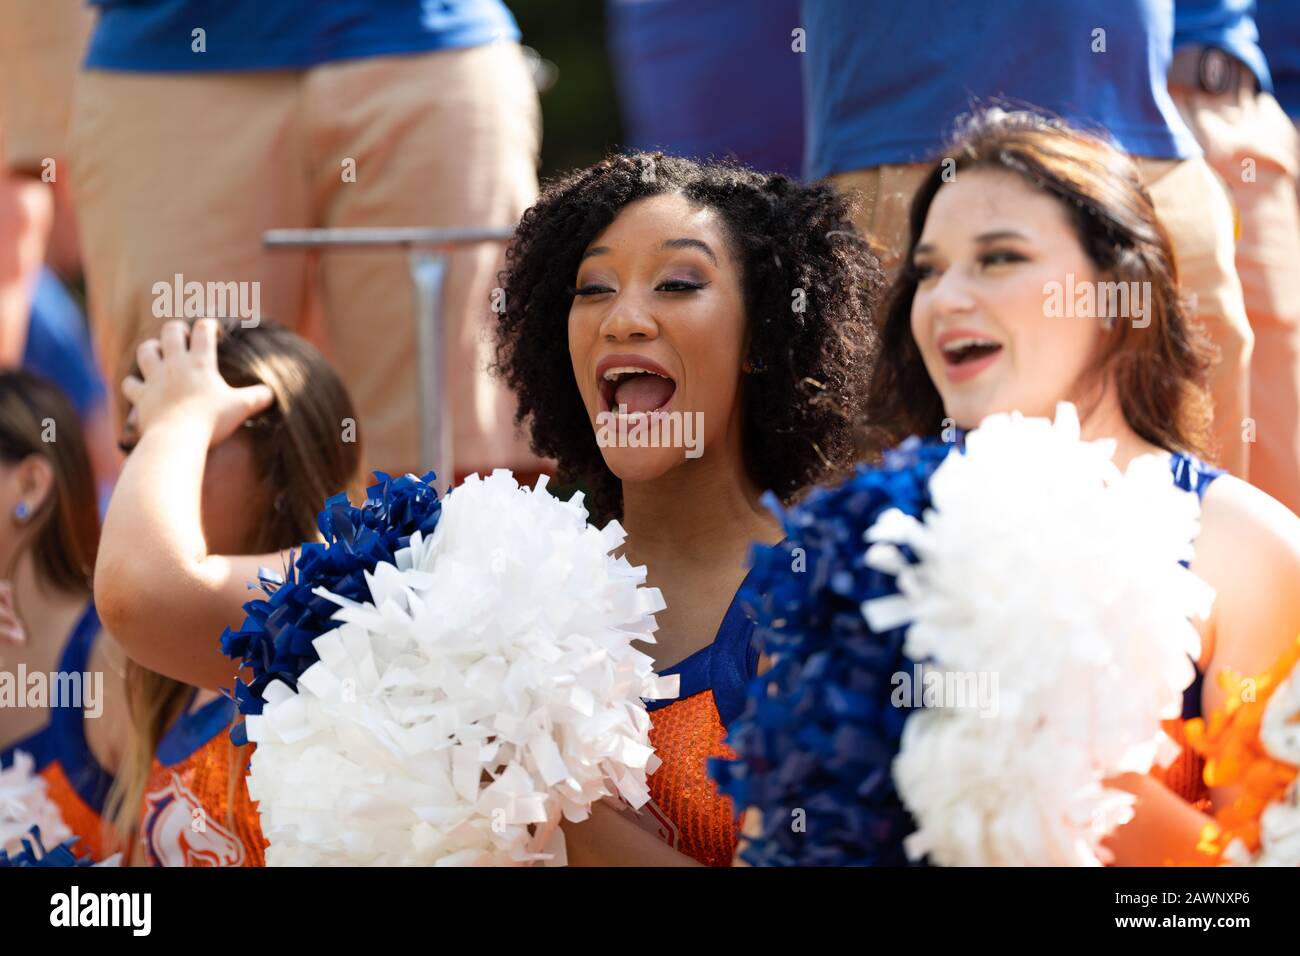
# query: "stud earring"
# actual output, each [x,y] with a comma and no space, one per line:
[22,512]
[754,367]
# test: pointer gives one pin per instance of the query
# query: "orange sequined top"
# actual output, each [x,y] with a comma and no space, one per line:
[688,812]
[188,817]
[1186,775]
[75,781]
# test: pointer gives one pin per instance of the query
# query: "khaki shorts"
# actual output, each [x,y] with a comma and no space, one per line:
[41,46]
[1195,209]
[182,173]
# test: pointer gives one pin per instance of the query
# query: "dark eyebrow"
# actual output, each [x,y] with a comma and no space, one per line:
[666,244]
[983,238]
[690,244]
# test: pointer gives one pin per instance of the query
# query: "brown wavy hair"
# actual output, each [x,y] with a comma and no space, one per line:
[1160,371]
[300,461]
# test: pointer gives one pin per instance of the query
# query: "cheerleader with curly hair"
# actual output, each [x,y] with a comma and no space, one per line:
[681,338]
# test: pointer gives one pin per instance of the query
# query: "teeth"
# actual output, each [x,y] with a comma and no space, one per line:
[612,374]
[956,345]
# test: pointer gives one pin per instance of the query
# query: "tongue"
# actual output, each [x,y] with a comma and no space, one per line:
[643,393]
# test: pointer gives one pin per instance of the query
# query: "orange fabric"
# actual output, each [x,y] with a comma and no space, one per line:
[685,734]
[1229,742]
[187,818]
[95,836]
[1186,775]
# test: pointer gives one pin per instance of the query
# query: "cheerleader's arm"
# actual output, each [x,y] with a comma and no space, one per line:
[1165,829]
[1249,552]
[607,838]
[158,591]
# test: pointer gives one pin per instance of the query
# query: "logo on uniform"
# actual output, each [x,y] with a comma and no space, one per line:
[170,837]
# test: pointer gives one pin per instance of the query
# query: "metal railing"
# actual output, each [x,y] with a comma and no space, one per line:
[427,250]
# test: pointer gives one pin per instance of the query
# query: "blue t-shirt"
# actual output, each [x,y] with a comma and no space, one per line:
[158,35]
[716,79]
[1226,24]
[1279,35]
[884,81]
[58,345]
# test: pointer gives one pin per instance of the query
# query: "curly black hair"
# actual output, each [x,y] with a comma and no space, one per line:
[803,406]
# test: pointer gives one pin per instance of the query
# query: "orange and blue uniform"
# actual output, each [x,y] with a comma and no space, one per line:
[686,731]
[75,781]
[188,817]
[685,805]
[1186,775]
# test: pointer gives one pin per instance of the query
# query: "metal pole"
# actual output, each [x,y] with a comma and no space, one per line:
[427,250]
[427,272]
[381,237]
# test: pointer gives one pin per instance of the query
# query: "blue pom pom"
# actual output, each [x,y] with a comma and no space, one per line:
[819,733]
[275,640]
[34,854]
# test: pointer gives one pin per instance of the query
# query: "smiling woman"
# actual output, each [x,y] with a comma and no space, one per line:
[647,290]
[762,270]
[972,330]
[972,325]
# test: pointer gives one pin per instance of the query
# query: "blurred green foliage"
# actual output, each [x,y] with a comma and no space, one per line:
[580,116]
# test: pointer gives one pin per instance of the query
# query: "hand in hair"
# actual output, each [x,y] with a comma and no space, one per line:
[180,383]
[159,590]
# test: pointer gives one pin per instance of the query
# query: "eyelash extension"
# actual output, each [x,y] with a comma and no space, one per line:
[125,447]
[588,290]
[682,285]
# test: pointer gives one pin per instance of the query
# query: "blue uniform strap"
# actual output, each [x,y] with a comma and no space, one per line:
[1192,474]
[192,731]
[725,666]
[63,738]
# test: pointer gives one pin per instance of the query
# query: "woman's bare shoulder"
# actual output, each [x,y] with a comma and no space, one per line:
[1249,552]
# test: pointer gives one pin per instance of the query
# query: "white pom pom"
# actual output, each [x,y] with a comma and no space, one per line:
[1279,825]
[1045,573]
[490,687]
[1279,728]
[25,804]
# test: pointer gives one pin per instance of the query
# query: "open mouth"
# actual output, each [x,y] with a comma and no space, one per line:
[634,389]
[965,351]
